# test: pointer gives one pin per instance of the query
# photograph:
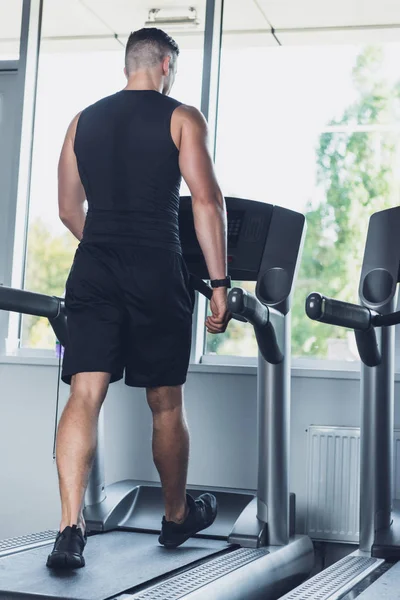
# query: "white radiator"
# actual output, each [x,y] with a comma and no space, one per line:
[333,482]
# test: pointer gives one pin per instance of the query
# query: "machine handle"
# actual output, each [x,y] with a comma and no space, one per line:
[201,286]
[368,347]
[386,320]
[267,323]
[336,312]
[38,305]
[29,303]
[246,305]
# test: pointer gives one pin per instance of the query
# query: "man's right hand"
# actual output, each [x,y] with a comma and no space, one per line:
[218,321]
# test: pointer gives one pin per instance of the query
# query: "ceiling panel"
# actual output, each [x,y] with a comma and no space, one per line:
[240,15]
[83,25]
[243,18]
[70,18]
[339,36]
[124,16]
[330,13]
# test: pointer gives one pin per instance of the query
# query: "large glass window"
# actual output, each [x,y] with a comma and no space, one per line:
[82,60]
[314,128]
[10,29]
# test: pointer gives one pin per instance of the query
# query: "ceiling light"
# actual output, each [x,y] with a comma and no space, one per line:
[188,21]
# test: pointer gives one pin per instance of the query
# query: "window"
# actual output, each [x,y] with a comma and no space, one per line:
[81,60]
[10,29]
[315,129]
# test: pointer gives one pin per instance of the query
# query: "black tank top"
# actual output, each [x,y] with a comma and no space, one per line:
[128,164]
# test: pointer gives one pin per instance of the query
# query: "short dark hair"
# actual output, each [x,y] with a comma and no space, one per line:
[147,47]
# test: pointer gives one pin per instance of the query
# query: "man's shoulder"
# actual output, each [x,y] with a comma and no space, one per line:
[191,115]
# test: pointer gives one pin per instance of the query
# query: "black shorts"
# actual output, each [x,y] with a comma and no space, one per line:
[129,308]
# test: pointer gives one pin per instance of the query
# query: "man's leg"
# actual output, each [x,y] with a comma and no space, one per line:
[170,447]
[76,443]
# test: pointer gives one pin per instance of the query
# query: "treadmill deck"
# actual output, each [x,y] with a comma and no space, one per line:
[115,562]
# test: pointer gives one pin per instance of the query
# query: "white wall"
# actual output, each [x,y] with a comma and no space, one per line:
[222,416]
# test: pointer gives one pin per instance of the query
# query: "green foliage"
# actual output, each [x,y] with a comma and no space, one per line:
[49,259]
[356,173]
[356,177]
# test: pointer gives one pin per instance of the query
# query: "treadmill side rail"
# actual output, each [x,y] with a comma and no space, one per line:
[251,574]
[336,580]
[26,542]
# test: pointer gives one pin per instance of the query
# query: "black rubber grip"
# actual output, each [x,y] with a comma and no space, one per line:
[29,303]
[59,325]
[336,312]
[246,305]
[368,347]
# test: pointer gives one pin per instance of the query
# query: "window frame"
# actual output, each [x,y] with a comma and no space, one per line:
[25,68]
[29,57]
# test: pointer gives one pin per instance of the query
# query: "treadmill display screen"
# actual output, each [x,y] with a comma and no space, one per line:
[248,226]
[188,233]
[235,221]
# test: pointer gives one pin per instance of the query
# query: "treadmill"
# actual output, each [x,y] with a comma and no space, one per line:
[370,572]
[251,551]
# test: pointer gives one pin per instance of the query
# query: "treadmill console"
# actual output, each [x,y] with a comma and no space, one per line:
[264,245]
[248,225]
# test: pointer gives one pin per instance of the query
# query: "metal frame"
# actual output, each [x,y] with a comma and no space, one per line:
[209,108]
[26,68]
[8,65]
[34,10]
[20,66]
[211,66]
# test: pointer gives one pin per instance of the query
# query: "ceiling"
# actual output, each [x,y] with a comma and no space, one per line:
[102,19]
[295,14]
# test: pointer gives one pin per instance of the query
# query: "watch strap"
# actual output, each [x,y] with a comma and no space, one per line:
[216,283]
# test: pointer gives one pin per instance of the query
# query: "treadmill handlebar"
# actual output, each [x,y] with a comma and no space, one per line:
[360,318]
[386,320]
[29,303]
[335,312]
[268,323]
[244,304]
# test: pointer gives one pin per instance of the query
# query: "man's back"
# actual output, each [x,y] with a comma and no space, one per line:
[129,166]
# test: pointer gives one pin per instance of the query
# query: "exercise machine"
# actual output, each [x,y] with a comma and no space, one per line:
[251,551]
[364,572]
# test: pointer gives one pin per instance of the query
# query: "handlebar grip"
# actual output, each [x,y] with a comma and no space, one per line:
[29,303]
[248,306]
[268,334]
[336,312]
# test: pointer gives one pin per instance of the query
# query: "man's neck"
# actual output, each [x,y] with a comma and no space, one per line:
[143,82]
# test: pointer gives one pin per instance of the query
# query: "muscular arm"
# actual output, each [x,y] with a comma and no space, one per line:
[71,195]
[207,200]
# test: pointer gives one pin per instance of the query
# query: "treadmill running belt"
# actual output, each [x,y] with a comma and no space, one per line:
[115,562]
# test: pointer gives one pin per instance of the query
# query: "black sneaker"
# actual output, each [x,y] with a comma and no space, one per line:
[68,548]
[202,513]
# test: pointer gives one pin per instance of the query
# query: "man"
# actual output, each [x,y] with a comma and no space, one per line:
[128,299]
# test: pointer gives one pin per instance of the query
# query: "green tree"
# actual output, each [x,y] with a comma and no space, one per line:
[49,259]
[356,171]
